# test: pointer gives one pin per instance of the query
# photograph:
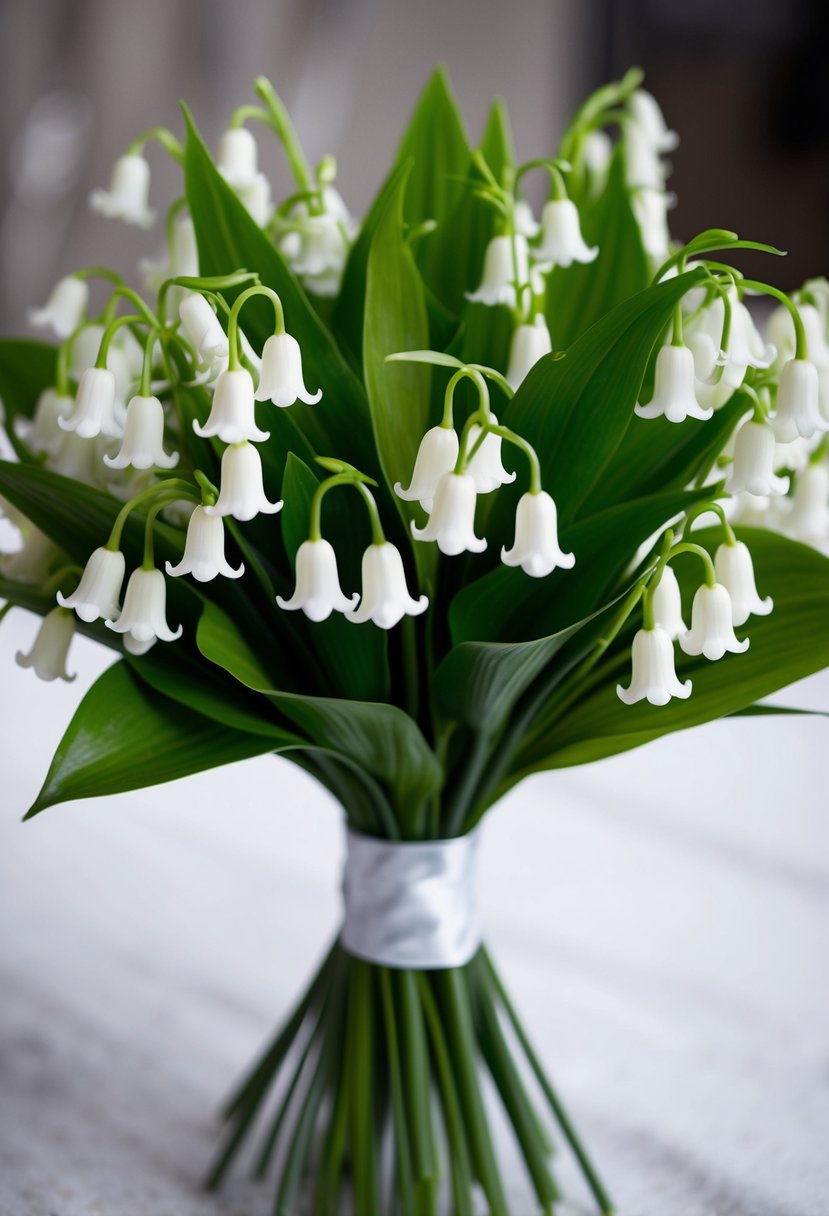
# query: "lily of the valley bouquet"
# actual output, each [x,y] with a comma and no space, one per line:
[425,505]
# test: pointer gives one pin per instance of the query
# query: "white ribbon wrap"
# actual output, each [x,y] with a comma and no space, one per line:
[411,905]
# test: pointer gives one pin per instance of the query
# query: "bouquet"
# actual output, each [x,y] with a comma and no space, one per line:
[425,505]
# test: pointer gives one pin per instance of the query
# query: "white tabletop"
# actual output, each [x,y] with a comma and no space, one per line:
[661,918]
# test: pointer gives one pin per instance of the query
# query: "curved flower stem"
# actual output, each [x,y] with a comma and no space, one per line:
[233,322]
[705,557]
[162,136]
[702,508]
[280,121]
[801,345]
[110,332]
[174,487]
[474,374]
[99,272]
[527,448]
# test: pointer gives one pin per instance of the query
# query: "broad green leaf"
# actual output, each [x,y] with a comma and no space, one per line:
[762,710]
[351,660]
[436,143]
[349,309]
[379,738]
[579,295]
[228,240]
[656,455]
[125,736]
[26,369]
[507,605]
[496,142]
[479,683]
[791,643]
[182,677]
[398,392]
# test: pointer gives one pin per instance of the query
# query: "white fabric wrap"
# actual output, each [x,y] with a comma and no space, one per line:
[411,905]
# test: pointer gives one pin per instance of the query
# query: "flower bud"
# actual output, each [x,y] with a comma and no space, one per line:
[529,344]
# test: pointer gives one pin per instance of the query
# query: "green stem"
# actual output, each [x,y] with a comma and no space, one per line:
[702,554]
[702,508]
[801,345]
[403,1162]
[591,1176]
[452,1117]
[162,136]
[233,323]
[364,1156]
[109,333]
[172,487]
[280,121]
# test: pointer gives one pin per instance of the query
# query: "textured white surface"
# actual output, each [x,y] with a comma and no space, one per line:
[662,919]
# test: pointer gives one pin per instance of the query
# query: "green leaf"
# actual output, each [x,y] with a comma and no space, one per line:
[788,645]
[228,240]
[381,739]
[349,309]
[398,393]
[125,736]
[762,710]
[479,683]
[436,143]
[181,676]
[26,369]
[353,659]
[579,295]
[496,142]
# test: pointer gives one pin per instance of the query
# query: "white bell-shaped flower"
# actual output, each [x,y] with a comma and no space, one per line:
[316,246]
[242,492]
[204,332]
[94,412]
[452,518]
[735,570]
[706,357]
[281,379]
[647,114]
[712,625]
[535,547]
[204,550]
[798,402]
[144,614]
[318,591]
[561,240]
[51,646]
[98,593]
[232,412]
[667,604]
[529,344]
[653,675]
[181,257]
[437,454]
[85,355]
[650,209]
[257,199]
[643,168]
[502,271]
[143,443]
[781,334]
[32,561]
[78,458]
[65,308]
[525,222]
[238,159]
[43,434]
[674,395]
[386,598]
[486,468]
[808,518]
[128,193]
[754,462]
[596,152]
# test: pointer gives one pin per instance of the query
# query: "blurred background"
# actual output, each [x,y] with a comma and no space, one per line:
[744,82]
[662,917]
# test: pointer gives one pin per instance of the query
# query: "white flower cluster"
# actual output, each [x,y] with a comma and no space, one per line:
[722,603]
